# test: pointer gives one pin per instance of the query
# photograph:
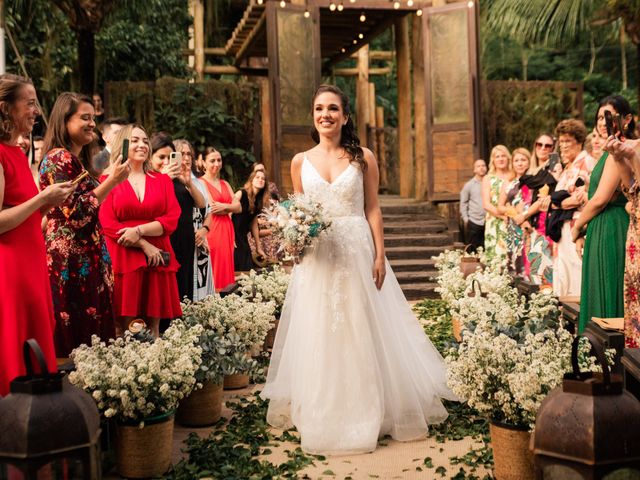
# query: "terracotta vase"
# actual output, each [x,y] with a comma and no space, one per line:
[512,458]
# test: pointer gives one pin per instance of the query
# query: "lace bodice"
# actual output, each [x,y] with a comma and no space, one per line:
[344,197]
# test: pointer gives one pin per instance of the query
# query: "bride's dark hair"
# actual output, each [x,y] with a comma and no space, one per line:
[348,137]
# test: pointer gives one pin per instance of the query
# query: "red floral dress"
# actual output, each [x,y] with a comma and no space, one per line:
[632,273]
[79,265]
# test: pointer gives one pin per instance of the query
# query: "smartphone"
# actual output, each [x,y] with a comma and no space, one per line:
[175,158]
[165,257]
[125,149]
[608,120]
[79,178]
[554,158]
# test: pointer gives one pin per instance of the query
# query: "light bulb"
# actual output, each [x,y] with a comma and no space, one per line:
[283,3]
[396,5]
[340,7]
[260,2]
[363,18]
[419,12]
[355,41]
[332,7]
[306,14]
[352,1]
[409,3]
[470,4]
[360,36]
[343,49]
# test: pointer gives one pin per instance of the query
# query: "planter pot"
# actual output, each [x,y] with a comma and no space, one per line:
[202,407]
[235,381]
[511,455]
[145,452]
[457,329]
[469,265]
[271,336]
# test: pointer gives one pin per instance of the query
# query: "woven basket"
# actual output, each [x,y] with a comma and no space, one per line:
[235,381]
[457,329]
[202,408]
[511,455]
[145,452]
[271,336]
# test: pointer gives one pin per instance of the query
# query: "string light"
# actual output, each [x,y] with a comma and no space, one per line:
[419,12]
[283,3]
[352,1]
[306,13]
[360,36]
[363,17]
[260,2]
[332,7]
[409,3]
[343,49]
[340,6]
[396,5]
[355,41]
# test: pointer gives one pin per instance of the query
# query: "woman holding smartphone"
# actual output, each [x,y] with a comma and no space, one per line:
[80,270]
[165,159]
[138,218]
[25,296]
[606,223]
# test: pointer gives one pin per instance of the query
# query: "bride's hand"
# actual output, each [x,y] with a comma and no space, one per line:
[379,272]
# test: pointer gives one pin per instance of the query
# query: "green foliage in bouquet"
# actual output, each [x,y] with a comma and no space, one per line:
[132,380]
[231,327]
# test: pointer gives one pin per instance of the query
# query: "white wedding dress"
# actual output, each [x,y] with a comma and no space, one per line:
[350,363]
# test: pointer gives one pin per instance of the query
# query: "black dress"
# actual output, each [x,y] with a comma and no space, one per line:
[183,240]
[242,260]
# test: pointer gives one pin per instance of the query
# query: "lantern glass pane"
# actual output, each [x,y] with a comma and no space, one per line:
[560,472]
[623,474]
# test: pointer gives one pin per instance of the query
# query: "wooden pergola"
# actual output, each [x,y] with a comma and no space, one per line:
[289,46]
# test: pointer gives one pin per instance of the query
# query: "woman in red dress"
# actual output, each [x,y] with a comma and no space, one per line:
[138,217]
[221,237]
[79,265]
[25,295]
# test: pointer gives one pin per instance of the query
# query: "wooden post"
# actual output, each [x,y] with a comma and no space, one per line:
[372,119]
[362,94]
[419,110]
[198,35]
[267,128]
[382,149]
[405,142]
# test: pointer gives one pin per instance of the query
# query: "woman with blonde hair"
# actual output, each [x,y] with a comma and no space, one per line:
[500,171]
[138,218]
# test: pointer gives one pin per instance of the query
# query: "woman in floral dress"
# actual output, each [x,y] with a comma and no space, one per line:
[79,265]
[495,232]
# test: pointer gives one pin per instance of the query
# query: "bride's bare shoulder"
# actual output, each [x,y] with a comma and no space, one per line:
[298,158]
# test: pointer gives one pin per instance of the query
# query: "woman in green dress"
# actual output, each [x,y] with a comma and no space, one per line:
[607,223]
[495,230]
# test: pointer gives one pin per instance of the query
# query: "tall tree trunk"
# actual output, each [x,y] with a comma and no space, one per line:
[86,60]
[623,57]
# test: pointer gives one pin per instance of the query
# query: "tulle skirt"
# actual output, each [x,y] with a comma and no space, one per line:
[351,363]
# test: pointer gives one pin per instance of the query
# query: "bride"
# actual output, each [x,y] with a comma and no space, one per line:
[350,361]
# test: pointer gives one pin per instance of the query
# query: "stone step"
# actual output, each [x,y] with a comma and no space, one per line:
[426,226]
[422,207]
[426,240]
[413,252]
[426,276]
[411,217]
[418,291]
[413,265]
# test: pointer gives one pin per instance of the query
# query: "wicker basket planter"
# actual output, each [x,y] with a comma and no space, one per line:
[511,455]
[202,408]
[457,329]
[145,452]
[236,381]
[271,336]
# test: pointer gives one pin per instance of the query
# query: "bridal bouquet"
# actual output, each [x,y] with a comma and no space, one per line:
[295,223]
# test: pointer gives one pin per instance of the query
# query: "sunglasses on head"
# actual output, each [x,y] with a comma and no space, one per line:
[545,145]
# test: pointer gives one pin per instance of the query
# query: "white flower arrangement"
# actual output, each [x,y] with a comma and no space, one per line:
[232,327]
[267,286]
[133,380]
[295,223]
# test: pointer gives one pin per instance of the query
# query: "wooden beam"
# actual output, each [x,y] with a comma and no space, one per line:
[266,128]
[371,137]
[231,70]
[214,52]
[362,94]
[382,149]
[377,55]
[260,24]
[198,35]
[353,72]
[405,142]
[419,109]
